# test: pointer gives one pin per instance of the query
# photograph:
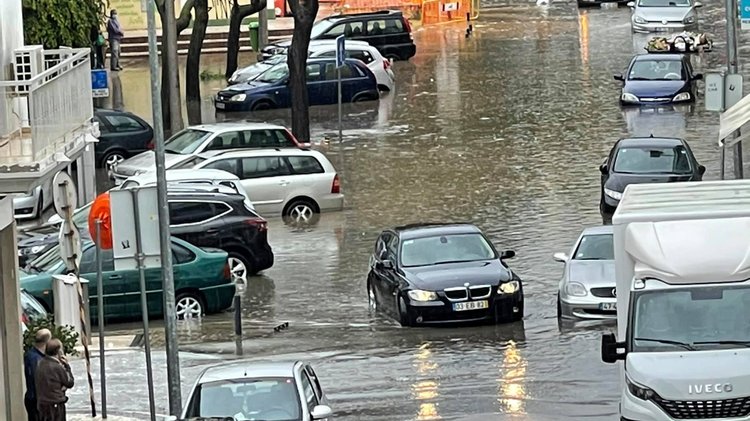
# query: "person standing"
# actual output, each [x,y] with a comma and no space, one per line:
[97,48]
[114,31]
[30,362]
[52,378]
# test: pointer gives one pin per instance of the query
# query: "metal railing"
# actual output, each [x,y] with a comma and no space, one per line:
[58,100]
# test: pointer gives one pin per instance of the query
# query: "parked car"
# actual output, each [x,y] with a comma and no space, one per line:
[203,282]
[207,137]
[587,287]
[122,135]
[271,89]
[258,391]
[31,309]
[664,15]
[388,31]
[33,204]
[645,160]
[287,182]
[659,79]
[440,273]
[360,50]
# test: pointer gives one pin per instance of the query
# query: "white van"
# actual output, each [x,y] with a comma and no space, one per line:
[682,262]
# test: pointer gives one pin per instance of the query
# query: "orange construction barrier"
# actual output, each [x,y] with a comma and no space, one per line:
[441,11]
[428,11]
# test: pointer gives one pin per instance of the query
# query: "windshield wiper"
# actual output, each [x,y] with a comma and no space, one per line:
[729,342]
[640,78]
[687,346]
[445,262]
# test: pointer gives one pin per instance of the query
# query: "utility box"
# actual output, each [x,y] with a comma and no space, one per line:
[67,308]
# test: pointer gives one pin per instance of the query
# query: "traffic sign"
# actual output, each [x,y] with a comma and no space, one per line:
[135,220]
[70,245]
[99,83]
[340,50]
[64,194]
[745,14]
[714,97]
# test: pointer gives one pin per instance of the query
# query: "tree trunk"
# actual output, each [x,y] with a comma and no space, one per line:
[304,12]
[192,69]
[166,66]
[236,15]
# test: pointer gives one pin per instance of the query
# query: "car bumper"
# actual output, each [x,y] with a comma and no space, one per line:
[662,27]
[331,203]
[608,206]
[586,308]
[219,297]
[25,207]
[230,105]
[502,308]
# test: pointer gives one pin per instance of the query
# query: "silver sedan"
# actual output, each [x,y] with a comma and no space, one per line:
[664,15]
[587,287]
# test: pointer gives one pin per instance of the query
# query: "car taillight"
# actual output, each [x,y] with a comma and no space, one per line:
[150,144]
[259,223]
[407,24]
[227,271]
[336,185]
[386,63]
[24,319]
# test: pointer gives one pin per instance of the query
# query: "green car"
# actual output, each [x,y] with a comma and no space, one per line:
[202,282]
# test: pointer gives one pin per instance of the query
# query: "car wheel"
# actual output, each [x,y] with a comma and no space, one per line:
[239,267]
[372,300]
[112,158]
[189,305]
[559,306]
[392,56]
[261,105]
[40,205]
[403,313]
[300,211]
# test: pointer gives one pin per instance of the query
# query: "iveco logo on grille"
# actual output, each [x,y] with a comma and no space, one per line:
[698,389]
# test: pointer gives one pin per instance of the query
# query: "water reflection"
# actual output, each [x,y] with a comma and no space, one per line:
[668,120]
[425,389]
[512,381]
[118,103]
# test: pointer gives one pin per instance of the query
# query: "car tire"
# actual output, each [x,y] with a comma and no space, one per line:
[112,157]
[300,211]
[240,267]
[559,306]
[261,106]
[403,314]
[189,305]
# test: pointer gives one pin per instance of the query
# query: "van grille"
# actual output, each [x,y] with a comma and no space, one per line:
[693,410]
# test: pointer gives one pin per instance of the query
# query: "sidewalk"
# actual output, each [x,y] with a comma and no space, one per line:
[111,343]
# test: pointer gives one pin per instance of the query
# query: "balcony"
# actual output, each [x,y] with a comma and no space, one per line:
[46,119]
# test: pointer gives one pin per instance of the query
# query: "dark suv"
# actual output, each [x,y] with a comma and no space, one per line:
[388,31]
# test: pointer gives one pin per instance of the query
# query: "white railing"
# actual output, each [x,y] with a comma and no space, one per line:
[58,99]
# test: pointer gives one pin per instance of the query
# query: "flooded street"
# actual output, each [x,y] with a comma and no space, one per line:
[506,130]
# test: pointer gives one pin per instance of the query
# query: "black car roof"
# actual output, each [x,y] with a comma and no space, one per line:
[660,142]
[428,229]
[380,13]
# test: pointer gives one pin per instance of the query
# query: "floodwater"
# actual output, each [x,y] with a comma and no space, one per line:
[504,129]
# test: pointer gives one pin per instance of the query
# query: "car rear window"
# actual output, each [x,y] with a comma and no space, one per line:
[305,165]
[385,26]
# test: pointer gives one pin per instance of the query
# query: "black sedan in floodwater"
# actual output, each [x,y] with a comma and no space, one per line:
[442,273]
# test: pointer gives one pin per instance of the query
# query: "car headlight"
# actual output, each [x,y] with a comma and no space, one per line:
[689,19]
[639,19]
[683,96]
[639,391]
[37,249]
[508,287]
[613,194]
[238,98]
[626,97]
[575,289]
[420,295]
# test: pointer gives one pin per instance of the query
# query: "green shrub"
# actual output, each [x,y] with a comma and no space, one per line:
[66,334]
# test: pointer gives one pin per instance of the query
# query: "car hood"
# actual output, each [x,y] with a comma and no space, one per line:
[659,14]
[144,161]
[592,273]
[653,88]
[671,374]
[437,277]
[253,70]
[244,87]
[618,181]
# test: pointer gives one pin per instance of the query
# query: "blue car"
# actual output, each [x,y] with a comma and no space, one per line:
[656,79]
[271,89]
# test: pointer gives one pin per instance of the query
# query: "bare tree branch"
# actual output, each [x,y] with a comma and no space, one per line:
[236,15]
[183,21]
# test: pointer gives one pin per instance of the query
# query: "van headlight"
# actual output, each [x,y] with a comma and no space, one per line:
[613,194]
[640,392]
[640,20]
[575,289]
[508,287]
[626,97]
[683,96]
[238,98]
[688,20]
[420,295]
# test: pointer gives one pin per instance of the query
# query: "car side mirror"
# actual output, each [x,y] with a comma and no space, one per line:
[321,412]
[619,76]
[611,349]
[698,4]
[698,76]
[560,257]
[604,169]
[631,4]
[701,169]
[507,254]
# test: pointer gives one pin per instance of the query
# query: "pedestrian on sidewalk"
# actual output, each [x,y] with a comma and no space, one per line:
[53,377]
[114,30]
[30,362]
[97,48]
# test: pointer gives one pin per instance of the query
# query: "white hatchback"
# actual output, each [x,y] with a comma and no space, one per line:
[290,182]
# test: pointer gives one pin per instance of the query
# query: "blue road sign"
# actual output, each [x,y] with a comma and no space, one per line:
[99,83]
[341,50]
[745,14]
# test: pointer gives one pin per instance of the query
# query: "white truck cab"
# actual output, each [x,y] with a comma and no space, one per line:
[682,261]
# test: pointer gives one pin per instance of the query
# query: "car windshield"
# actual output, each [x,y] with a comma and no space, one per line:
[267,399]
[595,247]
[646,160]
[274,74]
[31,307]
[48,261]
[186,141]
[657,70]
[320,28]
[693,318]
[664,3]
[439,249]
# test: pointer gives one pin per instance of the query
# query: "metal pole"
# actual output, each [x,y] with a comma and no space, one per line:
[341,136]
[169,37]
[723,161]
[263,27]
[732,67]
[100,317]
[170,329]
[144,304]
[237,323]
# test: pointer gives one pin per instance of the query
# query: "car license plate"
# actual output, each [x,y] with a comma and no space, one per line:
[471,305]
[608,306]
[220,105]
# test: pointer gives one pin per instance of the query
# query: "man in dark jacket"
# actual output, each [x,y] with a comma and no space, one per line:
[30,363]
[53,377]
[114,30]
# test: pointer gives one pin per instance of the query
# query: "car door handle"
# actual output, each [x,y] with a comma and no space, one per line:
[283,182]
[212,231]
[115,277]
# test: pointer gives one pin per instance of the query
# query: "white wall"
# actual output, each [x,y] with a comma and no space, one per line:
[11,37]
